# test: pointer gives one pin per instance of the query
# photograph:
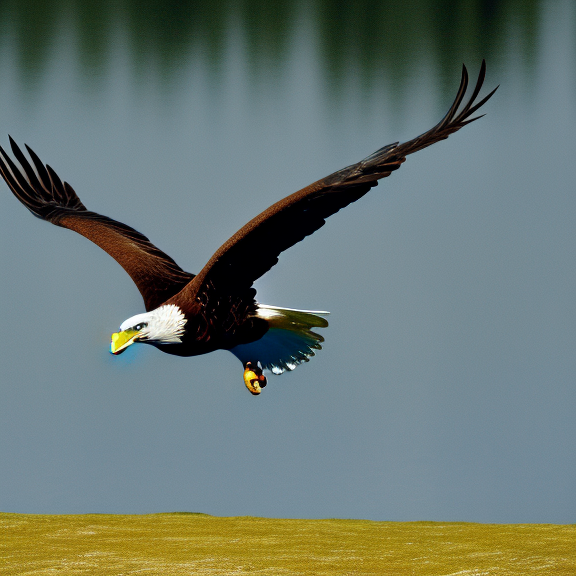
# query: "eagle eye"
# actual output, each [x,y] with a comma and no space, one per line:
[140,326]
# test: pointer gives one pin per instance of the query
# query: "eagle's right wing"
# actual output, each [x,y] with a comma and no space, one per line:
[155,274]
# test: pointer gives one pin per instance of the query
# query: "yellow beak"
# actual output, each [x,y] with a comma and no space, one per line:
[121,340]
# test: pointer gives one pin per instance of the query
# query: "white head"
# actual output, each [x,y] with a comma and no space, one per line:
[164,325]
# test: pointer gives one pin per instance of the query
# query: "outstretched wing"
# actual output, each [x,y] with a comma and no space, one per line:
[155,274]
[255,248]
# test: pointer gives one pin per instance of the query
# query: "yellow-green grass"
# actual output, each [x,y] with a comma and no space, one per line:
[202,544]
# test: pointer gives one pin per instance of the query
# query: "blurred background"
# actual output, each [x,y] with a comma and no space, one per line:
[446,389]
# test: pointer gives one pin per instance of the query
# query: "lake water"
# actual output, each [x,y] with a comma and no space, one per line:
[446,389]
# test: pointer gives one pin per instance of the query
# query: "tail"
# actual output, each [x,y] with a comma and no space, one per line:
[288,342]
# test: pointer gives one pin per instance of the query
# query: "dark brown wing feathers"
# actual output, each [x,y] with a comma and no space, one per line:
[255,248]
[155,274]
[228,276]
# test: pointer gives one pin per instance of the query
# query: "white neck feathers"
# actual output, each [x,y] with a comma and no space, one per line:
[164,325]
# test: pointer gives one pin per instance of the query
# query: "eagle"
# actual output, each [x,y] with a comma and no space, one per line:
[190,314]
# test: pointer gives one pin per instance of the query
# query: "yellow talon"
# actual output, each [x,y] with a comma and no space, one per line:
[254,379]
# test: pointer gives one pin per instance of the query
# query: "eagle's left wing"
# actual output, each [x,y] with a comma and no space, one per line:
[255,248]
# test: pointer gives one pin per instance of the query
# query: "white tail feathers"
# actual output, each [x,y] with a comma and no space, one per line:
[289,340]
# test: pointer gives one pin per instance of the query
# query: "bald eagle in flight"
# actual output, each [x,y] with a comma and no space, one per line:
[188,314]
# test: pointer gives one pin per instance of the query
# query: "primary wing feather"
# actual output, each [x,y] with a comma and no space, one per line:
[155,274]
[255,248]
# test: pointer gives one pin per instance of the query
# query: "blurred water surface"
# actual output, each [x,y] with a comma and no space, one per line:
[446,388]
[371,37]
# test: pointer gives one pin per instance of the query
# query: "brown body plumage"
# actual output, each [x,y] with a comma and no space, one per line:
[219,303]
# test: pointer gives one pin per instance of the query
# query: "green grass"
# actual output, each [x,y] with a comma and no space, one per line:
[201,544]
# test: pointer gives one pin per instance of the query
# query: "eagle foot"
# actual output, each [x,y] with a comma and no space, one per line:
[253,378]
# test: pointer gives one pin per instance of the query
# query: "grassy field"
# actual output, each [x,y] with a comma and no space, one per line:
[202,544]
